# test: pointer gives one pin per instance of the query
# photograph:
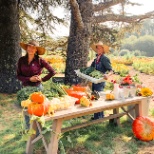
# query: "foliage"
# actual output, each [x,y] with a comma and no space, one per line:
[58,62]
[124,52]
[120,68]
[40,15]
[24,93]
[144,65]
[137,53]
[144,44]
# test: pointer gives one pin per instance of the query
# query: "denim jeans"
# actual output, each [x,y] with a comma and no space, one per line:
[98,87]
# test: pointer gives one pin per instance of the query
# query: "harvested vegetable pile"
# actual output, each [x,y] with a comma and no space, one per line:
[91,71]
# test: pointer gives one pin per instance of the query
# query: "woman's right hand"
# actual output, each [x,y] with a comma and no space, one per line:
[34,78]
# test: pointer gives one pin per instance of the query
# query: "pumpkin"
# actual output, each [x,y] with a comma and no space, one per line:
[143,128]
[38,109]
[84,101]
[37,97]
[110,96]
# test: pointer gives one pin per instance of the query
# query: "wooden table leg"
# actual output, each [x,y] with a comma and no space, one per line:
[29,146]
[117,120]
[56,128]
[145,106]
[139,109]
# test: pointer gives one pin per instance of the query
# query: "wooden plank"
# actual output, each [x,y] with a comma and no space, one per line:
[137,110]
[113,116]
[98,106]
[42,137]
[127,112]
[30,146]
[145,106]
[56,131]
[116,120]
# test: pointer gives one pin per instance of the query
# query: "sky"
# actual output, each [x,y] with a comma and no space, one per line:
[147,6]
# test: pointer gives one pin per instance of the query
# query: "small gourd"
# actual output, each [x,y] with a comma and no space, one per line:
[84,101]
[110,96]
[25,103]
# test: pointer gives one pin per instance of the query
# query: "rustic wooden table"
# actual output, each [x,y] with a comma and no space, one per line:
[138,108]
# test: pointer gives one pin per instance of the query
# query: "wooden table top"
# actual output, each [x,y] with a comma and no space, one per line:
[100,104]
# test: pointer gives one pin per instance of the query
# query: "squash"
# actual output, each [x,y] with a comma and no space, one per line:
[38,109]
[110,96]
[143,128]
[25,103]
[76,94]
[79,88]
[37,97]
[84,101]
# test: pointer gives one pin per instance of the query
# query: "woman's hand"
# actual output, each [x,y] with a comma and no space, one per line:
[105,77]
[39,78]
[35,78]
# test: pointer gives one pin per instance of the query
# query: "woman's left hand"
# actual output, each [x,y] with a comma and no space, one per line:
[39,78]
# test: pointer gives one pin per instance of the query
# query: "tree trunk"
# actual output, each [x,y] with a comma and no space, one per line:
[9,46]
[78,42]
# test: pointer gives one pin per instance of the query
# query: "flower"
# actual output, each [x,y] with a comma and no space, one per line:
[127,80]
[145,92]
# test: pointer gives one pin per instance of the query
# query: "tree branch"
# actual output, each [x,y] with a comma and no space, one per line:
[122,18]
[106,5]
[77,14]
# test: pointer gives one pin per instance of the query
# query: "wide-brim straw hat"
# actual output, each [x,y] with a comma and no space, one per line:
[40,50]
[94,46]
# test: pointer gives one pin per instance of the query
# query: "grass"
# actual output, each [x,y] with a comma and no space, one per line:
[152,112]
[102,138]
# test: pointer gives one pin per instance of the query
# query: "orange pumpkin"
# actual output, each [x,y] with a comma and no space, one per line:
[143,128]
[38,109]
[37,97]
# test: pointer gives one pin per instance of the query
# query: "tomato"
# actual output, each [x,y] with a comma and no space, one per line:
[143,128]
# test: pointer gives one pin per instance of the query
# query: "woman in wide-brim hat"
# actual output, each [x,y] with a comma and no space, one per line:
[40,50]
[102,64]
[30,66]
[105,47]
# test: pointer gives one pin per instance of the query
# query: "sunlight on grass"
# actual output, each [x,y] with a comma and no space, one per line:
[152,112]
[126,138]
[9,136]
[82,139]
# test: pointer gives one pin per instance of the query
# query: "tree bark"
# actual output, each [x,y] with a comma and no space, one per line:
[78,42]
[9,46]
